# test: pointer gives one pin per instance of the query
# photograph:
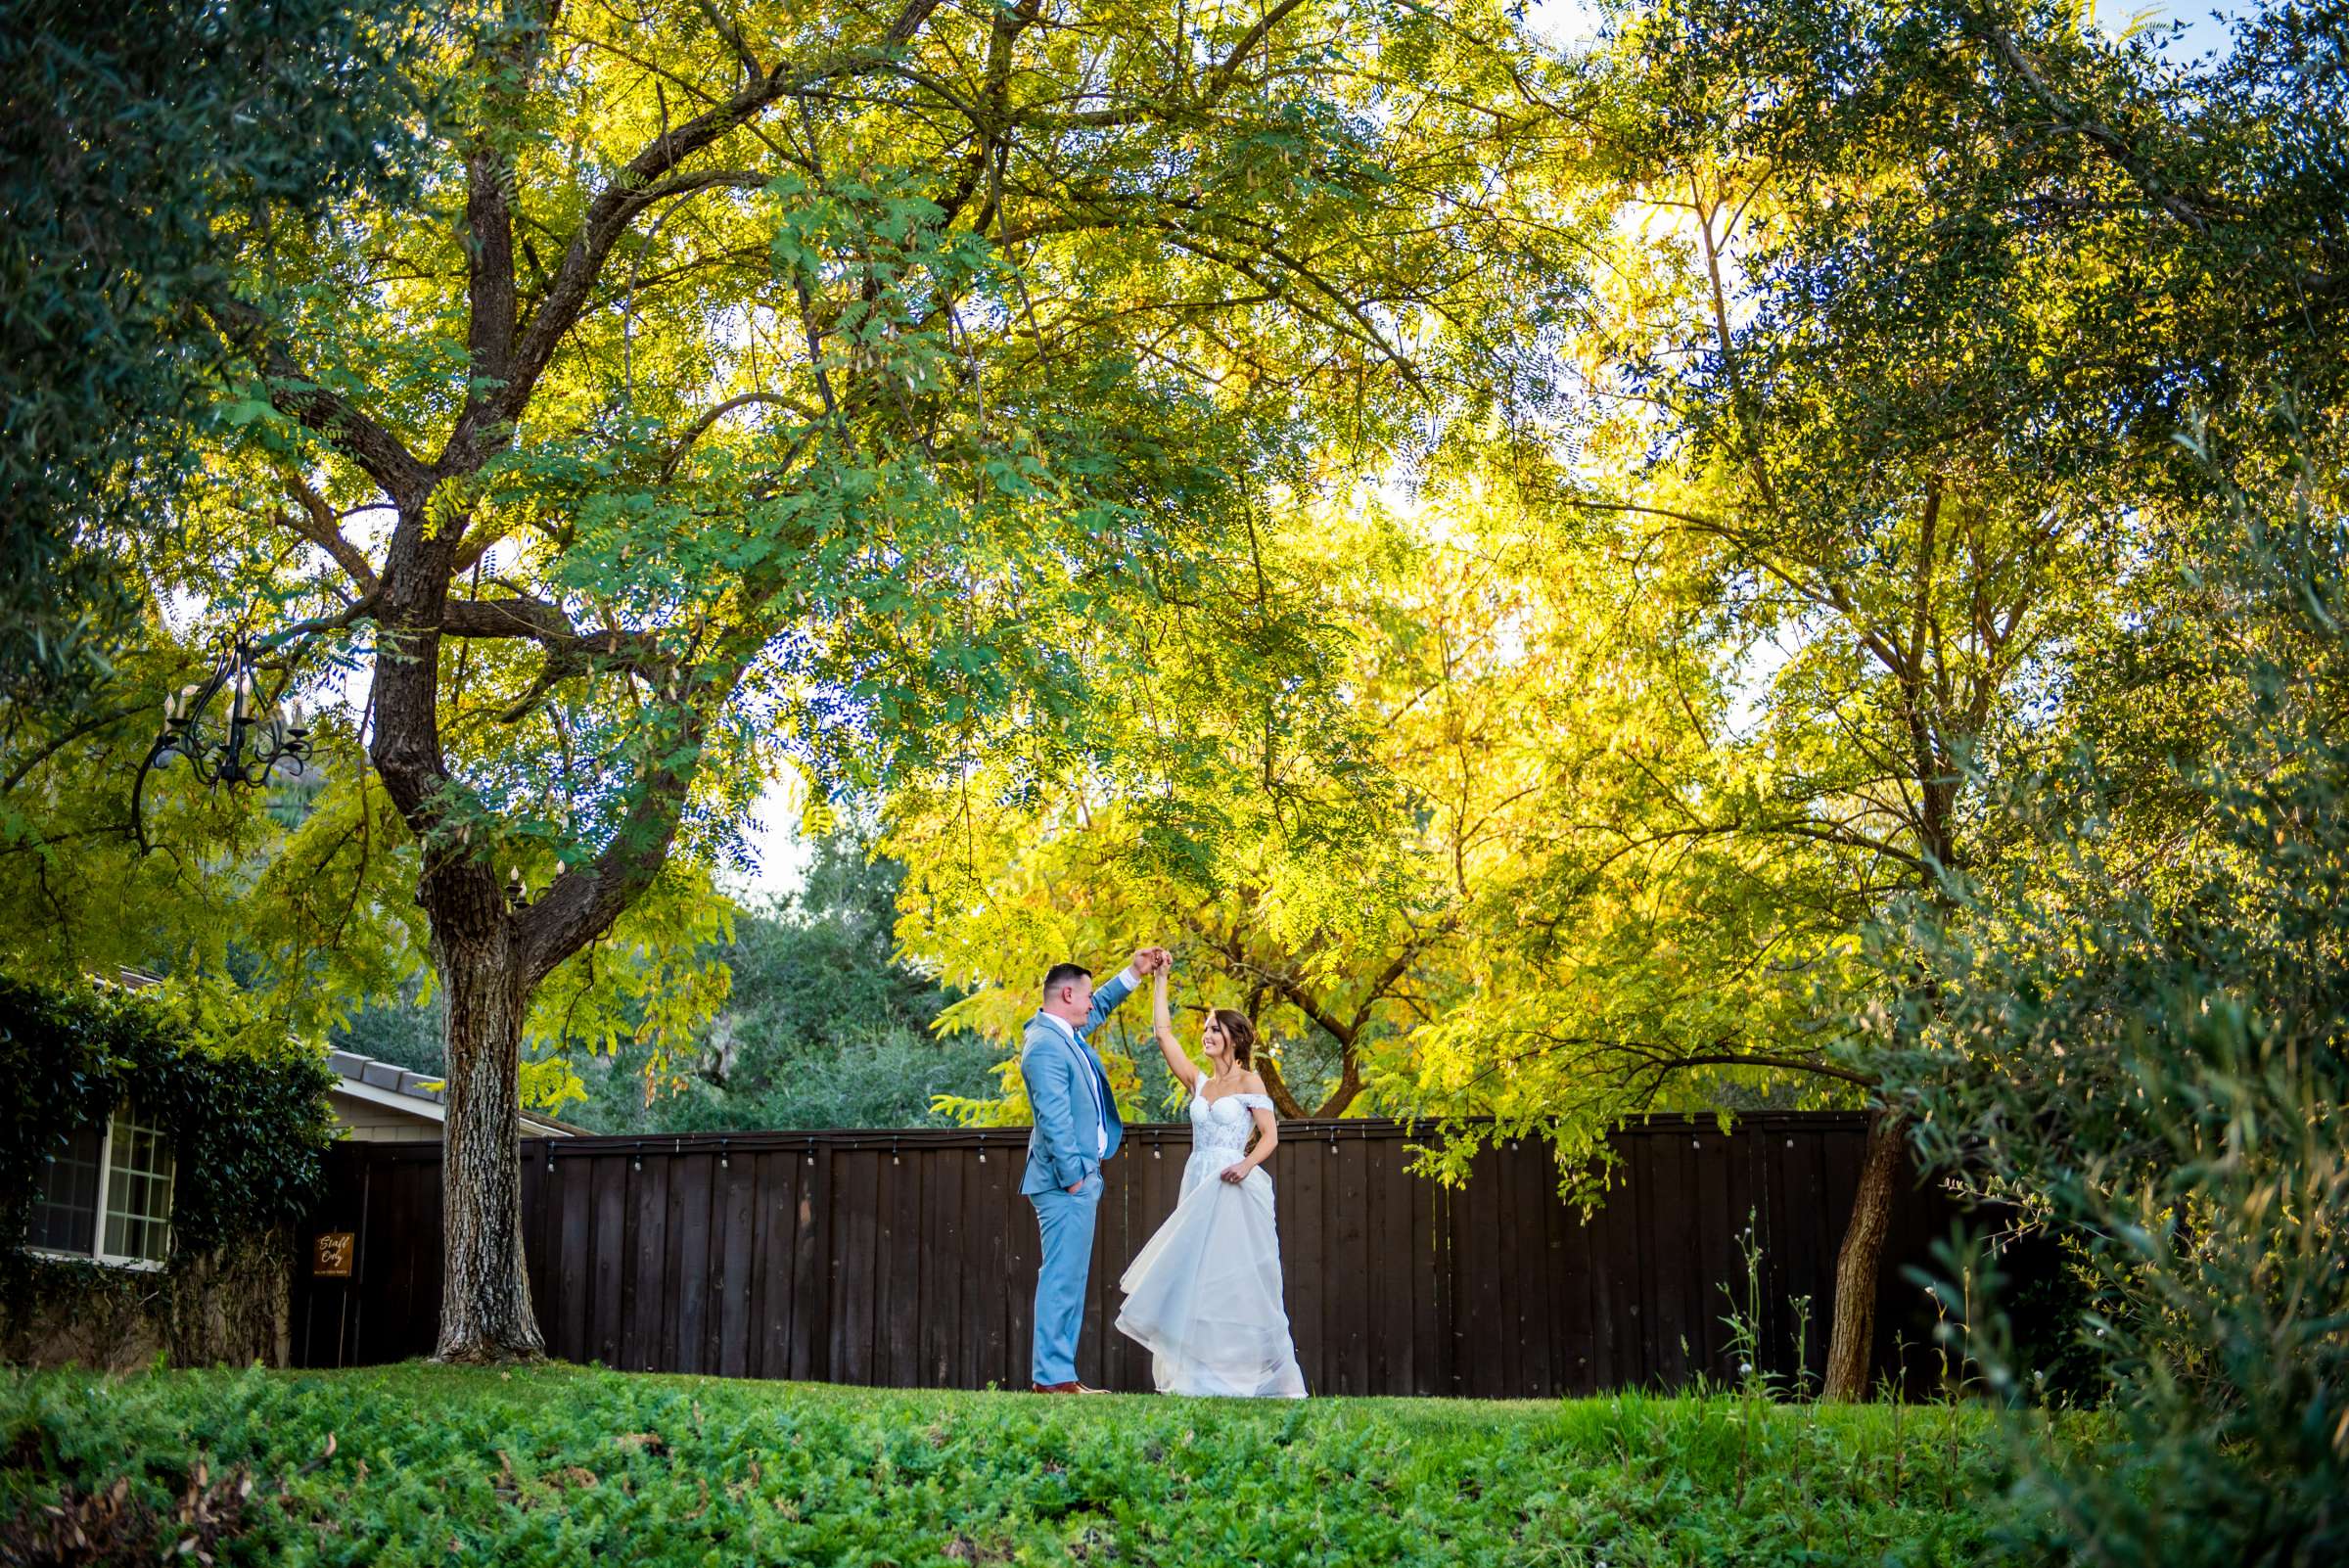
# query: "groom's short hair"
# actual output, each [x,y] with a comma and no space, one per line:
[1060,975]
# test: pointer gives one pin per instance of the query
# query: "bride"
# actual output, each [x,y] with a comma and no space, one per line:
[1204,1294]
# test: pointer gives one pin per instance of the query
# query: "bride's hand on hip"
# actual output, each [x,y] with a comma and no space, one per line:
[1238,1174]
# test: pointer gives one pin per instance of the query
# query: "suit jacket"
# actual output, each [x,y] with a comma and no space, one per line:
[1066,1145]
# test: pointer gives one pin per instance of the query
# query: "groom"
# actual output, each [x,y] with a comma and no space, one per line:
[1076,1129]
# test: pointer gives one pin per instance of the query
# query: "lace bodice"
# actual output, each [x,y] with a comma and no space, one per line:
[1225,1123]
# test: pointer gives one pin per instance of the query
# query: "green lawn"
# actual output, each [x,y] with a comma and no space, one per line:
[568,1465]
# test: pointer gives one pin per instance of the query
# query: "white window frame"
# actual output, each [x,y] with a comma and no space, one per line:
[106,1173]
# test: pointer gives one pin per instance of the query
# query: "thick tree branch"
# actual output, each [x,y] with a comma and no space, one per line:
[582,906]
[1349,1086]
[2099,135]
[990,116]
[1217,82]
[88,726]
[489,273]
[378,453]
[733,36]
[1220,78]
[548,626]
[1278,1089]
[641,183]
[1788,1064]
[710,417]
[316,522]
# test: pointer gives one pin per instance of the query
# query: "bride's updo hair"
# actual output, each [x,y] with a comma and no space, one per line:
[1238,1032]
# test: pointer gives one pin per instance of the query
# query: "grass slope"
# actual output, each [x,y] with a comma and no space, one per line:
[571,1466]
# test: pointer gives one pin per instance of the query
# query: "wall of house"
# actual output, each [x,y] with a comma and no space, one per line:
[232,1308]
[371,1123]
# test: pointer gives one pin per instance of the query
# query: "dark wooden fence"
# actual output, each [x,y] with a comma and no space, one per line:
[908,1259]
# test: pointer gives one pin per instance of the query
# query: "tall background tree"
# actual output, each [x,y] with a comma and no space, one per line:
[1945,285]
[1869,456]
[751,388]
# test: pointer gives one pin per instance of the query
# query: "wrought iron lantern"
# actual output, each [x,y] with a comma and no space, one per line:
[250,737]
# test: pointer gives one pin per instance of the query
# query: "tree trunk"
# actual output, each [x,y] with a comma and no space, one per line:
[1276,1088]
[1348,1088]
[1851,1341]
[486,1310]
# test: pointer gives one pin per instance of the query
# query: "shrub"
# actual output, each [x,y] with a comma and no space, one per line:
[2147,1048]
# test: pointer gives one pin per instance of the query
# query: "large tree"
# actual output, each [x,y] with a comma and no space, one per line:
[756,385]
[1937,291]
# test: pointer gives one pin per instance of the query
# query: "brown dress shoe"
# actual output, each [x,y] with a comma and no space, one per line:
[1059,1388]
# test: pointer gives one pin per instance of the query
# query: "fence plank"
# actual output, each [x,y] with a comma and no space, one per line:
[1347,1355]
[858,1190]
[1431,1321]
[649,1246]
[1537,1238]
[1738,1198]
[811,1277]
[1625,1326]
[1303,1233]
[1004,1218]
[732,1343]
[1667,1214]
[1694,1259]
[987,1283]
[937,1318]
[1484,1338]
[1575,1368]
[1023,1254]
[608,1185]
[1779,1278]
[687,1291]
[1386,1225]
[908,1259]
[774,1178]
[566,1334]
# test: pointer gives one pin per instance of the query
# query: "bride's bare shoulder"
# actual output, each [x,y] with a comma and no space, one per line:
[1252,1084]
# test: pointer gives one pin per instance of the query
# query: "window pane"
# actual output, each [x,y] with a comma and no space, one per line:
[138,1192]
[64,1212]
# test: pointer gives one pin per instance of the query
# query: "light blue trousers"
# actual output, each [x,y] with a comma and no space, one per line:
[1066,1219]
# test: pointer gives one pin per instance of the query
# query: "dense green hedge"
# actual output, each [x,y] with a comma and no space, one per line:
[245,1106]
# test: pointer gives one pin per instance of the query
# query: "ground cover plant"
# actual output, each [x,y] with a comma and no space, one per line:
[561,1464]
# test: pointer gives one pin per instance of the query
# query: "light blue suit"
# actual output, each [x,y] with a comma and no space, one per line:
[1076,1129]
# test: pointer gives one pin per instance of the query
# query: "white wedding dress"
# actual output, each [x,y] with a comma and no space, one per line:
[1204,1294]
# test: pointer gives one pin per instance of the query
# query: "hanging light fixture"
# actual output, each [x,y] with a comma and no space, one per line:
[243,744]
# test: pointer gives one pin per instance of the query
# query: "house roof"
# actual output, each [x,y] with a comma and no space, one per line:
[389,1084]
[421,1093]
